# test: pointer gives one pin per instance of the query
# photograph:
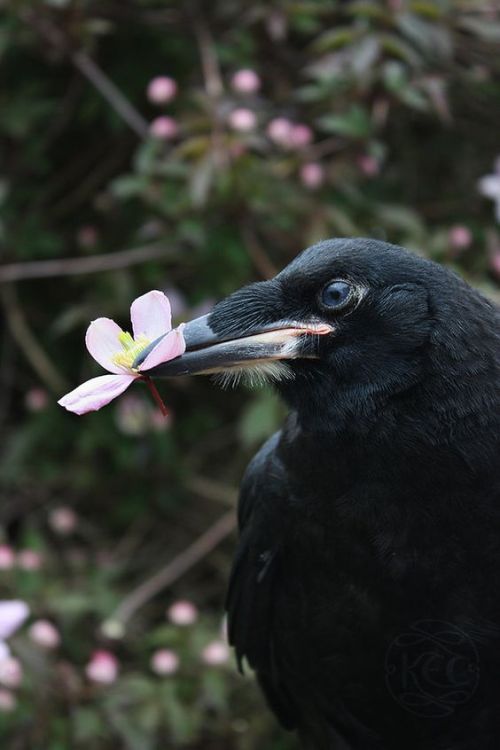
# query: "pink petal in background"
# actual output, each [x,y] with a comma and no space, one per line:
[12,615]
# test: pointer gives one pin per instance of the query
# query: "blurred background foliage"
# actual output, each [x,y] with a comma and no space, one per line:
[191,147]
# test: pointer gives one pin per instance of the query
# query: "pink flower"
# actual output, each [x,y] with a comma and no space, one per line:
[312,175]
[182,613]
[29,559]
[158,422]
[133,415]
[116,351]
[161,90]
[8,701]
[7,557]
[36,399]
[460,237]
[489,186]
[279,130]
[102,667]
[242,119]
[368,165]
[12,615]
[164,662]
[164,128]
[215,653]
[300,136]
[63,520]
[44,634]
[11,672]
[245,81]
[289,135]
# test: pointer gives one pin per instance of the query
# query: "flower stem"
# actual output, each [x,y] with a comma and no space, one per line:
[156,395]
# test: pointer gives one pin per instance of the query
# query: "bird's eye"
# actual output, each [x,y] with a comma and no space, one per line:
[336,294]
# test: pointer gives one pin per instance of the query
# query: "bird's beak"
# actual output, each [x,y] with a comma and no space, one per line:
[207,352]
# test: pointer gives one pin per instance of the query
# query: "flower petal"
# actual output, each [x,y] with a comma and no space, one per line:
[102,342]
[170,346]
[150,315]
[490,186]
[12,615]
[95,393]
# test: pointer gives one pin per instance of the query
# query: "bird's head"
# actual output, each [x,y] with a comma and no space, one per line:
[345,328]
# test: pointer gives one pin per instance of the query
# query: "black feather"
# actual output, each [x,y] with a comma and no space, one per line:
[372,521]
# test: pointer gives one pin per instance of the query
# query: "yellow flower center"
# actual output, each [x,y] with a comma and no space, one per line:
[131,349]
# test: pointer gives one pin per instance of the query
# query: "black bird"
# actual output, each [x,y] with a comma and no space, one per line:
[365,591]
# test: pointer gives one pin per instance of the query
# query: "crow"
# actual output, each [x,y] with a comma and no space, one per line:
[365,590]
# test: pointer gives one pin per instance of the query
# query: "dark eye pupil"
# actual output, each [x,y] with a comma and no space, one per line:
[336,294]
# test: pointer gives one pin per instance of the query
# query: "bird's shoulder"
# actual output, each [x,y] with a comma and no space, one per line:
[264,476]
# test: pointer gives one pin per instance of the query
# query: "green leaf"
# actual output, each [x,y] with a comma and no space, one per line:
[355,123]
[433,40]
[87,724]
[334,39]
[484,29]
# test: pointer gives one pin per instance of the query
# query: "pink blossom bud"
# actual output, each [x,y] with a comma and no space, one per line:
[164,662]
[368,165]
[36,399]
[158,422]
[460,237]
[102,667]
[300,136]
[87,236]
[312,175]
[7,557]
[8,701]
[279,129]
[133,415]
[11,672]
[215,653]
[63,520]
[44,634]
[277,25]
[182,613]
[242,119]
[163,128]
[29,559]
[245,81]
[161,90]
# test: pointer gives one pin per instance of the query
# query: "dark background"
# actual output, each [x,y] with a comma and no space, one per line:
[401,103]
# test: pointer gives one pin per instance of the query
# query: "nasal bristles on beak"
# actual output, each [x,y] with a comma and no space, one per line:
[254,375]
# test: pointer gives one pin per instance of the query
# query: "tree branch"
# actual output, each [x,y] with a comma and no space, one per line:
[111,93]
[92,72]
[177,567]
[42,269]
[27,342]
